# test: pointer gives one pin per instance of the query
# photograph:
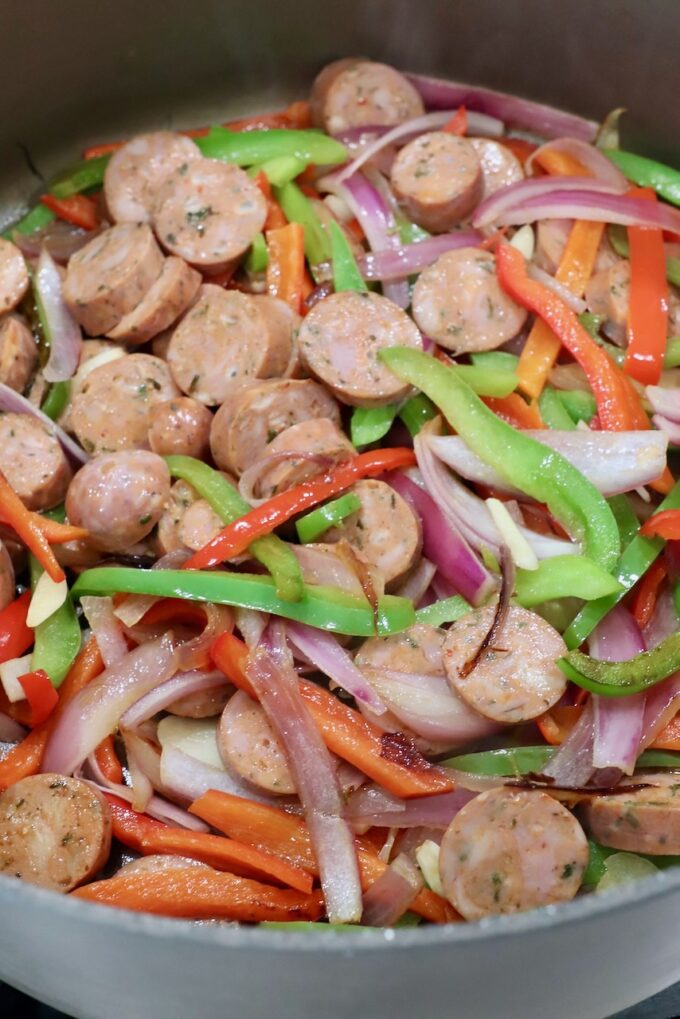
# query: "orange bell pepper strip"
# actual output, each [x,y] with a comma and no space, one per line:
[192,893]
[604,376]
[40,694]
[15,636]
[25,759]
[556,724]
[458,123]
[275,215]
[648,300]
[516,411]
[287,835]
[145,835]
[646,592]
[559,164]
[14,513]
[669,737]
[663,525]
[107,760]
[286,266]
[345,731]
[80,210]
[236,537]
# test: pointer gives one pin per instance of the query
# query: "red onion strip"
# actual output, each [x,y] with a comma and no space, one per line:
[134,607]
[62,330]
[186,778]
[105,628]
[390,896]
[161,697]
[592,205]
[411,258]
[364,812]
[618,720]
[10,731]
[577,304]
[664,401]
[14,403]
[572,765]
[323,650]
[517,195]
[590,157]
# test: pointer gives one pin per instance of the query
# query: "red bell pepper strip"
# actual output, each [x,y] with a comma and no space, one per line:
[663,525]
[603,374]
[458,123]
[147,836]
[14,513]
[15,637]
[648,301]
[80,210]
[107,760]
[520,148]
[236,538]
[516,411]
[646,593]
[40,694]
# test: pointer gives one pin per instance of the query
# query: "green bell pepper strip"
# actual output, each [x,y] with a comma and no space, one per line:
[36,219]
[298,209]
[579,405]
[598,856]
[500,360]
[622,679]
[58,638]
[88,173]
[672,358]
[515,761]
[315,523]
[246,148]
[409,233]
[636,559]
[553,411]
[591,323]
[282,169]
[257,258]
[618,238]
[447,610]
[57,399]
[676,597]
[229,506]
[370,424]
[488,381]
[647,173]
[416,412]
[627,523]
[326,608]
[533,468]
[346,275]
[564,576]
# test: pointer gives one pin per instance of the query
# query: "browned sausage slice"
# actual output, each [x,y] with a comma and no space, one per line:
[112,407]
[642,821]
[13,275]
[353,93]
[248,744]
[340,340]
[136,171]
[54,831]
[110,276]
[500,166]
[119,498]
[508,851]
[208,213]
[438,179]
[458,302]
[244,425]
[164,302]
[33,461]
[180,426]
[318,436]
[385,530]
[18,353]
[514,680]
[222,343]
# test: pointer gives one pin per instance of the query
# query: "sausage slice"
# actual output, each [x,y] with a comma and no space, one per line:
[248,744]
[642,821]
[13,275]
[459,303]
[18,353]
[355,93]
[54,831]
[608,294]
[514,680]
[109,277]
[438,179]
[500,166]
[7,582]
[164,302]
[318,436]
[508,851]
[181,427]
[33,461]
[180,498]
[340,340]
[136,171]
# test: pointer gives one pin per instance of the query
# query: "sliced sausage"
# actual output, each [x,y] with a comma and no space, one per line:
[199,525]
[248,744]
[508,851]
[33,461]
[13,275]
[136,171]
[516,678]
[500,166]
[459,303]
[208,213]
[551,240]
[168,297]
[54,831]
[607,294]
[108,278]
[7,582]
[340,340]
[244,425]
[18,353]
[385,530]
[222,343]
[319,437]
[180,426]
[119,498]
[438,179]
[156,862]
[112,408]
[642,821]
[204,703]
[181,496]
[353,93]
[416,650]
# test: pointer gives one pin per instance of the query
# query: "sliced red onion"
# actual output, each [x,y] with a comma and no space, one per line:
[512,110]
[95,711]
[251,625]
[349,778]
[161,697]
[418,581]
[59,238]
[409,259]
[577,304]
[323,650]
[134,607]
[390,896]
[106,628]
[10,731]
[186,778]
[515,196]
[613,462]
[328,568]
[140,783]
[444,544]
[664,401]
[61,329]
[663,700]
[195,653]
[591,204]
[664,621]
[271,672]
[14,403]
[590,157]
[157,807]
[572,765]
[364,811]
[617,720]
[671,429]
